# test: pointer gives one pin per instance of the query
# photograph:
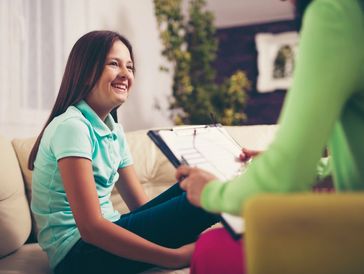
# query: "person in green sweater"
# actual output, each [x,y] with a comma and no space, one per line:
[324,107]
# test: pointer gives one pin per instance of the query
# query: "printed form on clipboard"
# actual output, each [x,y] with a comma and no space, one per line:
[209,147]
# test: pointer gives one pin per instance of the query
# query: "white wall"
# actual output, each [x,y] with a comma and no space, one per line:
[147,105]
[135,20]
[71,19]
[230,13]
[37,36]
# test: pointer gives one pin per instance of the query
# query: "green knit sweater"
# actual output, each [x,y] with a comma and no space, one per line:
[325,106]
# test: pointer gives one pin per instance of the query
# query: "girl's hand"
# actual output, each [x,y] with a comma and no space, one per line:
[184,255]
[248,154]
[193,181]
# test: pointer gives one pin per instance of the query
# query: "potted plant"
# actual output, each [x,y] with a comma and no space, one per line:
[191,46]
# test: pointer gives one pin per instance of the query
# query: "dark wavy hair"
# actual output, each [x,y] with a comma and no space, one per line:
[83,69]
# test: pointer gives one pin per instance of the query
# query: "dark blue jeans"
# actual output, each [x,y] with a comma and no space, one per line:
[168,220]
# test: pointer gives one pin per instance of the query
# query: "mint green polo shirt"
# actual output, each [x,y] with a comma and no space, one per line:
[78,132]
[325,106]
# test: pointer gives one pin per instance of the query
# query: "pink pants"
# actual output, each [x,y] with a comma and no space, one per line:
[217,252]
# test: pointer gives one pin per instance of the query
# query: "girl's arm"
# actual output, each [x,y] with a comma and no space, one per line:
[77,177]
[130,188]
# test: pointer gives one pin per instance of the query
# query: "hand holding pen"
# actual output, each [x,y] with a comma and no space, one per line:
[193,180]
[247,155]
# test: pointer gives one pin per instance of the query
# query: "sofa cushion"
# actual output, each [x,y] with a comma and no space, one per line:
[254,137]
[29,259]
[22,149]
[152,167]
[154,171]
[150,164]
[14,209]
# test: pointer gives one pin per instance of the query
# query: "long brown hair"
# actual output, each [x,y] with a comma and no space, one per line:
[83,69]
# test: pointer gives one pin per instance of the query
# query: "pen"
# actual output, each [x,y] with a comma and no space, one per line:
[213,118]
[194,137]
[183,162]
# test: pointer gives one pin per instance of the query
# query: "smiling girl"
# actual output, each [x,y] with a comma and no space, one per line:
[77,159]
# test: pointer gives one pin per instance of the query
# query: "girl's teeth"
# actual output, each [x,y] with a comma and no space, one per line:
[119,86]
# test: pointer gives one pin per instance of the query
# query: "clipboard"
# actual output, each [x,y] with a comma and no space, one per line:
[209,147]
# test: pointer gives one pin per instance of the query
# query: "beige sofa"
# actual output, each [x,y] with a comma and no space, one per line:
[18,254]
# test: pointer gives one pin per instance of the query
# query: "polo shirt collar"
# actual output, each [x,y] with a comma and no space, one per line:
[101,128]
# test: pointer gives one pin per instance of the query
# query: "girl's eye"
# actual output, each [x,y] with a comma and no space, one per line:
[130,68]
[114,63]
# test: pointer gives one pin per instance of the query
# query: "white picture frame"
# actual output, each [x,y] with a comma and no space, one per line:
[276,59]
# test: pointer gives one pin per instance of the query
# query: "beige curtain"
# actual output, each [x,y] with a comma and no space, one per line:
[36,38]
[31,60]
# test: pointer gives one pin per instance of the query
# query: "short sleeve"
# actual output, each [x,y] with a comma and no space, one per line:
[72,138]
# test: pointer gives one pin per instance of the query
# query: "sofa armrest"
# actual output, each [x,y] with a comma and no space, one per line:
[305,233]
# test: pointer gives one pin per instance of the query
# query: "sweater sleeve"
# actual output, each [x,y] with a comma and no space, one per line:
[324,79]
